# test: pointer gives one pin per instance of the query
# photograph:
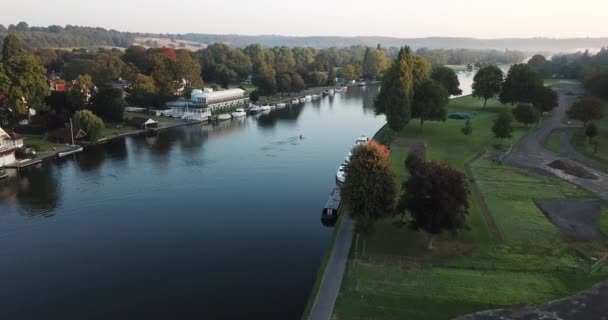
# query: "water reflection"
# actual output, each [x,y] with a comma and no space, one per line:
[34,191]
[288,114]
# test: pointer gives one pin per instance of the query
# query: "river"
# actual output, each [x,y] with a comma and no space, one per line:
[205,221]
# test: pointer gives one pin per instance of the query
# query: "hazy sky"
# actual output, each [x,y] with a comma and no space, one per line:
[405,18]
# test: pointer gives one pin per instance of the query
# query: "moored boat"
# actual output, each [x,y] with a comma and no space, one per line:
[253,109]
[363,139]
[265,108]
[308,97]
[295,101]
[224,116]
[240,112]
[281,105]
[73,149]
[315,96]
[302,100]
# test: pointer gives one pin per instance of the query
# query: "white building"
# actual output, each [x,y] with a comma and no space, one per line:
[219,99]
[8,145]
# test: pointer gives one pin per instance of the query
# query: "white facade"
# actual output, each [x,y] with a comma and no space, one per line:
[8,146]
[219,99]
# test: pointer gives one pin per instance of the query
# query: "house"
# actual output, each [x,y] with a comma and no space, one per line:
[143,123]
[57,86]
[214,100]
[64,135]
[9,144]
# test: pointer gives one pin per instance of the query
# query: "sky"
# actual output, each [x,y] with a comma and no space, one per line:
[392,18]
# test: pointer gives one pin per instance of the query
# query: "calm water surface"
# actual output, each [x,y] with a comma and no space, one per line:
[207,222]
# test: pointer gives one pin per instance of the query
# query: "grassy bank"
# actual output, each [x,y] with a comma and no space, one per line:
[509,254]
[39,142]
[552,143]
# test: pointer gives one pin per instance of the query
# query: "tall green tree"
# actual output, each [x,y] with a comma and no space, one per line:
[436,196]
[89,123]
[331,76]
[11,47]
[142,91]
[284,82]
[545,99]
[23,79]
[395,97]
[591,131]
[109,104]
[487,83]
[430,99]
[374,63]
[503,125]
[520,84]
[369,190]
[447,78]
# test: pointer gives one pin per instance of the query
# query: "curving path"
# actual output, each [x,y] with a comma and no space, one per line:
[529,153]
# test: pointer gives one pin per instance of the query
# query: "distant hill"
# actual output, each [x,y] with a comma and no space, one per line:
[76,36]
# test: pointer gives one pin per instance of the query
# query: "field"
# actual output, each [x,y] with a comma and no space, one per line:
[39,143]
[510,254]
[552,141]
[166,42]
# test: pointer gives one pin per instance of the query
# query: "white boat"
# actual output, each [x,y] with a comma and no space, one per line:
[224,116]
[272,107]
[240,112]
[363,139]
[253,109]
[302,100]
[281,105]
[265,108]
[341,175]
[308,97]
[315,96]
[295,101]
[72,150]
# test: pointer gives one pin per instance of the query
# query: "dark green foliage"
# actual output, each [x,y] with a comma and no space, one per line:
[394,99]
[11,47]
[487,83]
[447,78]
[541,65]
[254,96]
[587,109]
[223,64]
[90,123]
[331,76]
[520,84]
[430,99]
[526,113]
[503,125]
[468,128]
[370,189]
[591,131]
[545,99]
[436,196]
[108,103]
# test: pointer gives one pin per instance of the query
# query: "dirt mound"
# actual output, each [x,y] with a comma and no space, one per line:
[572,169]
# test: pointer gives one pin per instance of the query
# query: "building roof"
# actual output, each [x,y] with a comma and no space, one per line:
[215,95]
[4,135]
[140,121]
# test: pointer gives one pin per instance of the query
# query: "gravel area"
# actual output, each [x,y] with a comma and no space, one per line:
[576,219]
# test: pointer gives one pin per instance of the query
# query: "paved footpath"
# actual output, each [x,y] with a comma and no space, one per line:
[323,306]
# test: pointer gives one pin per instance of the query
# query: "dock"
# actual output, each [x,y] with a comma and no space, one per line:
[23,164]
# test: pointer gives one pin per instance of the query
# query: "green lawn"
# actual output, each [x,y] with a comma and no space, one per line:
[39,143]
[581,144]
[519,258]
[112,129]
[552,141]
[604,221]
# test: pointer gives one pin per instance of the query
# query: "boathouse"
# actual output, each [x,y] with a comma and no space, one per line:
[214,100]
[9,144]
[143,123]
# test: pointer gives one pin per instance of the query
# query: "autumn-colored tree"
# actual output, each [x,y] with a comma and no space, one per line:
[370,189]
[587,109]
[436,196]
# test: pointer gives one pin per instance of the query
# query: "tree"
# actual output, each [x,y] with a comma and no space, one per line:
[142,91]
[526,114]
[331,76]
[430,99]
[541,65]
[297,83]
[23,79]
[394,99]
[90,123]
[317,79]
[22,26]
[254,96]
[503,125]
[467,129]
[487,83]
[284,82]
[265,80]
[79,93]
[107,67]
[591,131]
[545,99]
[369,190]
[520,84]
[108,103]
[437,198]
[187,69]
[447,78]
[11,47]
[350,72]
[587,109]
[374,63]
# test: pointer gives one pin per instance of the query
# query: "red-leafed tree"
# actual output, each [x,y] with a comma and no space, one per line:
[169,52]
[370,189]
